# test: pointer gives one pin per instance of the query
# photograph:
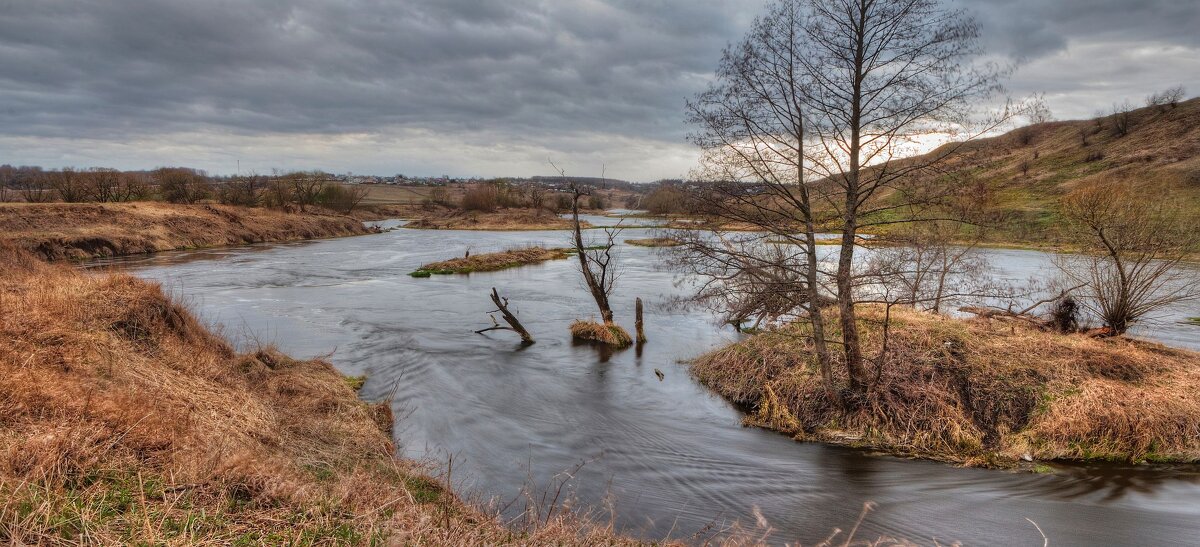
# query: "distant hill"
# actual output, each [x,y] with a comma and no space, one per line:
[1028,170]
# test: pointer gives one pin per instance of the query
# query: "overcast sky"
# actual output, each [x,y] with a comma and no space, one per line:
[466,87]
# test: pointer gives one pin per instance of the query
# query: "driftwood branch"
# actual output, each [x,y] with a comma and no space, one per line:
[514,324]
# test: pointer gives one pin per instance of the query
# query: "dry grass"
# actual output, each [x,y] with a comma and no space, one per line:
[58,231]
[123,420]
[609,334]
[490,262]
[502,219]
[654,242]
[980,392]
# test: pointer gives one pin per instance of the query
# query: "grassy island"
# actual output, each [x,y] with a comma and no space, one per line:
[490,262]
[985,392]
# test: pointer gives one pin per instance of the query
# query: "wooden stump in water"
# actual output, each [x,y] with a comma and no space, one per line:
[641,334]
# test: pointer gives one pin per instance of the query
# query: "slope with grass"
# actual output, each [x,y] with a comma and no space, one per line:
[1024,173]
[979,392]
[124,421]
[58,231]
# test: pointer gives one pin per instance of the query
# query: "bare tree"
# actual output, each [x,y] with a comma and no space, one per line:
[101,184]
[1037,113]
[69,185]
[34,185]
[181,185]
[306,187]
[8,179]
[1167,99]
[751,127]
[597,263]
[1122,118]
[1135,241]
[244,190]
[885,74]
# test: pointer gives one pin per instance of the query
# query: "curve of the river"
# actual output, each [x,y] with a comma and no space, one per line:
[669,457]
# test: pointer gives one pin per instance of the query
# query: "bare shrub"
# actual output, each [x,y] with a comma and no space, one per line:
[1166,99]
[439,195]
[1064,314]
[1135,239]
[343,198]
[666,200]
[181,185]
[481,197]
[244,191]
[306,187]
[1122,119]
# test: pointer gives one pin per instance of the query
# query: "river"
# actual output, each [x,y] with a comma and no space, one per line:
[668,458]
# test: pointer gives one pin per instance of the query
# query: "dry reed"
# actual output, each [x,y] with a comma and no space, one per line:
[978,391]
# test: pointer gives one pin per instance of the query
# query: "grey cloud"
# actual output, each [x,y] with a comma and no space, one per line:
[590,77]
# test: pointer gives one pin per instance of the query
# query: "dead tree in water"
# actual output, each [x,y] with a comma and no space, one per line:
[597,263]
[514,324]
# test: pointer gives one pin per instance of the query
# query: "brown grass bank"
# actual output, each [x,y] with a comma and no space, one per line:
[58,231]
[124,421]
[500,219]
[978,392]
[490,262]
[654,242]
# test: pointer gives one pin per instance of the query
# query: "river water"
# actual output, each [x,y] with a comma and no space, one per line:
[663,458]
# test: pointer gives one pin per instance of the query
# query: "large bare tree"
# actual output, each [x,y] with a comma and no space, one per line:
[752,129]
[884,77]
[814,121]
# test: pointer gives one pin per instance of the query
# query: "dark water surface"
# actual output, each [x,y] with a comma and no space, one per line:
[669,456]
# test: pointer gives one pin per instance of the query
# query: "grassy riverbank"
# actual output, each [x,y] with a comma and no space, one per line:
[65,231]
[500,220]
[126,421]
[977,392]
[491,262]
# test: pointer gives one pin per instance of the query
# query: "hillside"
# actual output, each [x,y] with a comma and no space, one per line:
[1028,170]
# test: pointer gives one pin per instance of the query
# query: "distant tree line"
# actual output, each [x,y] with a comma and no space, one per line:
[300,190]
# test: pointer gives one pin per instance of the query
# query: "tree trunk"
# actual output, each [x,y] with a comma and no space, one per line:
[594,286]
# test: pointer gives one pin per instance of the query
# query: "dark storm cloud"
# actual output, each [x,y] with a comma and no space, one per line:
[102,68]
[548,77]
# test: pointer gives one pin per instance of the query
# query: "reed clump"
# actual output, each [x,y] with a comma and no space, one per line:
[609,334]
[976,391]
[124,420]
[490,262]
